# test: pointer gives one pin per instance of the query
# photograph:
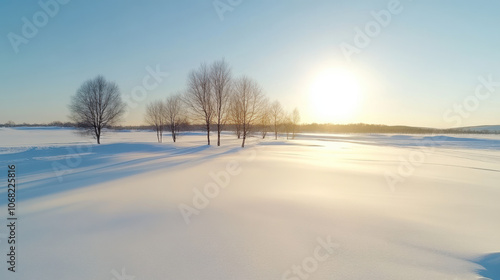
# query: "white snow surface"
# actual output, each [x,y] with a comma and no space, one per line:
[110,211]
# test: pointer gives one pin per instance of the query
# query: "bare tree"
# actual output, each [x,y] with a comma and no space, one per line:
[276,112]
[248,99]
[198,97]
[97,104]
[220,75]
[287,124]
[265,118]
[155,116]
[295,121]
[235,114]
[173,114]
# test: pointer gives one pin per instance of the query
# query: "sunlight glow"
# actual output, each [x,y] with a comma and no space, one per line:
[335,95]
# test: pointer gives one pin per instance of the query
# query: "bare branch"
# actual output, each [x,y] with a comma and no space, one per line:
[96,105]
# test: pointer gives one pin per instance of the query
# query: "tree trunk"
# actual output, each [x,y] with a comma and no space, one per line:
[98,135]
[208,134]
[244,136]
[218,134]
[174,134]
[238,131]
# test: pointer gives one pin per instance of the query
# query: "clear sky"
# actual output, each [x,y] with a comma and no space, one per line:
[414,69]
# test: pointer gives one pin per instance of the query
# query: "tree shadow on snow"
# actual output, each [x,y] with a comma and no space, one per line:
[43,171]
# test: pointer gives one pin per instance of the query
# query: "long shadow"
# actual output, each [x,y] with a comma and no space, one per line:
[491,265]
[46,171]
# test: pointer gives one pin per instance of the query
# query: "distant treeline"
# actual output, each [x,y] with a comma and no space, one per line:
[55,124]
[305,128]
[379,128]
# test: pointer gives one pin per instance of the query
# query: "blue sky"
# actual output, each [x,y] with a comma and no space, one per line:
[414,71]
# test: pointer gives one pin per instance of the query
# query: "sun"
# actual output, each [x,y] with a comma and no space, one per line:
[335,95]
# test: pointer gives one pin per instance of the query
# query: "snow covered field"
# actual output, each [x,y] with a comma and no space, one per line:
[319,207]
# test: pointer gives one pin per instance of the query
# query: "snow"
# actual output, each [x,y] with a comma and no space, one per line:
[108,211]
